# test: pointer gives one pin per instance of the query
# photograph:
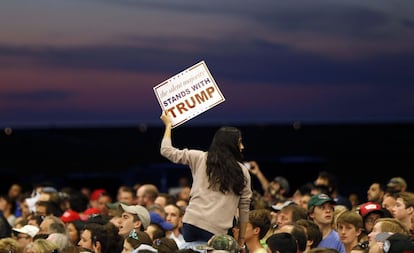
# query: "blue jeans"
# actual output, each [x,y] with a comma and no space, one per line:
[192,233]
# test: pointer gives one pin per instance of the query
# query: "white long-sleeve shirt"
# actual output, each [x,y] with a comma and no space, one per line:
[209,210]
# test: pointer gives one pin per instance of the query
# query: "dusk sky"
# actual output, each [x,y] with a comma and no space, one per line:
[95,62]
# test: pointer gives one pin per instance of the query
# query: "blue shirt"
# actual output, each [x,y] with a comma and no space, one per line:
[332,241]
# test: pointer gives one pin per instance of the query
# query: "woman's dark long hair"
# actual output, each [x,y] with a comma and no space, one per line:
[223,171]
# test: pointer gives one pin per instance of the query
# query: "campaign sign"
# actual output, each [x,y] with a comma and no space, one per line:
[188,94]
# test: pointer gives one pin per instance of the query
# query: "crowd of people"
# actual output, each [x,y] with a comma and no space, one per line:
[217,210]
[141,219]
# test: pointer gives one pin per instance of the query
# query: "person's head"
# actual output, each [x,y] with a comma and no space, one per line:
[349,226]
[291,213]
[78,201]
[134,240]
[61,240]
[126,195]
[7,204]
[259,223]
[25,234]
[386,225]
[184,193]
[52,224]
[397,243]
[370,212]
[318,206]
[404,205]
[90,230]
[164,199]
[74,230]
[304,200]
[165,245]
[279,186]
[15,190]
[146,194]
[298,233]
[375,192]
[35,220]
[281,243]
[314,234]
[24,205]
[133,217]
[43,208]
[155,231]
[326,179]
[156,208]
[223,161]
[159,220]
[397,184]
[174,215]
[102,238]
[9,245]
[229,140]
[41,245]
[388,201]
[102,206]
[94,196]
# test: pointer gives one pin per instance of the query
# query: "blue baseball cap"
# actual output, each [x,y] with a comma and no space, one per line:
[157,219]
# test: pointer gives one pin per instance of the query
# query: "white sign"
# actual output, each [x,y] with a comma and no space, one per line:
[188,93]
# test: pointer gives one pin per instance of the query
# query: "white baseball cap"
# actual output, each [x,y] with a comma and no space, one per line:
[142,212]
[27,229]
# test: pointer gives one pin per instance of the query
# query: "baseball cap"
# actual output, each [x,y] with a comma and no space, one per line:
[279,207]
[221,242]
[283,182]
[92,211]
[370,207]
[397,182]
[157,219]
[27,229]
[97,193]
[139,210]
[49,189]
[320,199]
[69,216]
[112,205]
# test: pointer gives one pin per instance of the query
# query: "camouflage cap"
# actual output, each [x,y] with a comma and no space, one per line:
[224,242]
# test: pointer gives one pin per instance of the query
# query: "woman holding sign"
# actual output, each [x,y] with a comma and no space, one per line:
[221,184]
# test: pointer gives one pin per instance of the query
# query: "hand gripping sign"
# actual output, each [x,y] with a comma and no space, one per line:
[188,94]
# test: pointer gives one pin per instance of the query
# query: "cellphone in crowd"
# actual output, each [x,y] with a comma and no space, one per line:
[247,164]
[380,237]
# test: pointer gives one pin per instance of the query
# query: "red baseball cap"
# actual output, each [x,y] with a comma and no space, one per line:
[69,216]
[370,207]
[97,193]
[92,211]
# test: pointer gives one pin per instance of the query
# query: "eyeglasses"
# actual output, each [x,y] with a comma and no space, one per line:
[22,237]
